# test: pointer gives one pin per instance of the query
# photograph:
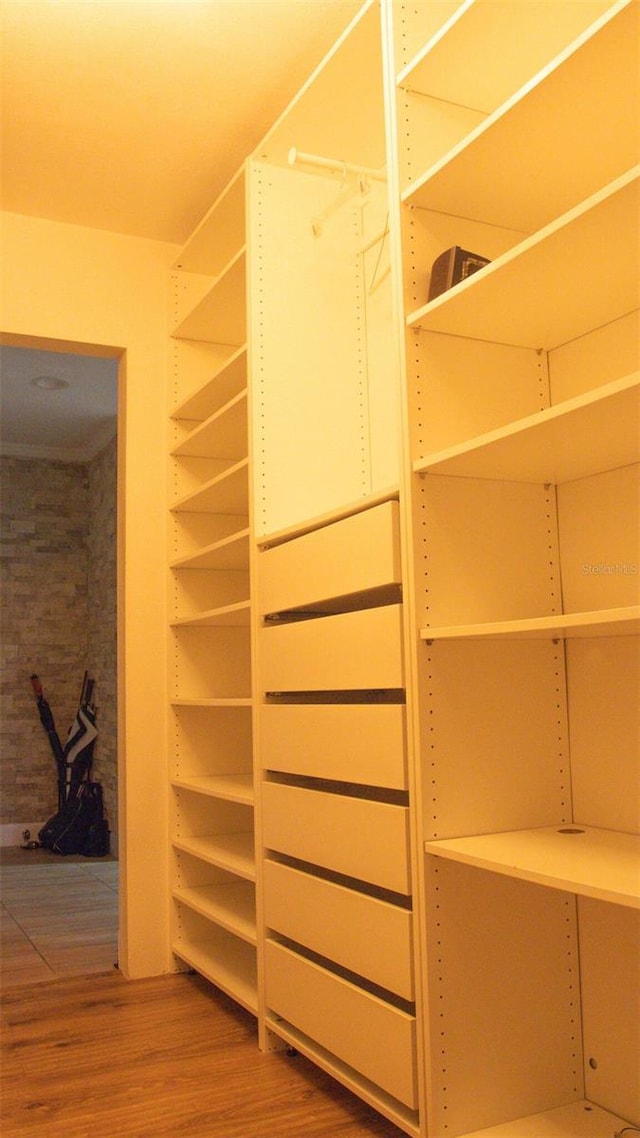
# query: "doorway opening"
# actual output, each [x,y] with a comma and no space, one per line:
[59,474]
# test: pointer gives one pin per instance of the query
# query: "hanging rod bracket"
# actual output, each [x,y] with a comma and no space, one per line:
[334,165]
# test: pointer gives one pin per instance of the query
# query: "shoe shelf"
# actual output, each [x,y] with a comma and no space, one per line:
[578,859]
[542,312]
[232,787]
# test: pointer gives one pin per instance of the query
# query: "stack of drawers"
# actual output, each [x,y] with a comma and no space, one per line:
[334,800]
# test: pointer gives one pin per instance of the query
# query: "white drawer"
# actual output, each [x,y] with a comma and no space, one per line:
[363,743]
[358,553]
[333,653]
[364,934]
[363,1031]
[363,839]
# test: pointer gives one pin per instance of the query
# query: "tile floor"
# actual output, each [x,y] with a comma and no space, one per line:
[57,917]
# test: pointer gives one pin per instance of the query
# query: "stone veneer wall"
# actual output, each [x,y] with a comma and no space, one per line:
[57,605]
[101,622]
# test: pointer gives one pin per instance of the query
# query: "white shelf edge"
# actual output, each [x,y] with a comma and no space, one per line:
[615,622]
[435,39]
[232,852]
[231,907]
[529,424]
[222,970]
[213,483]
[214,419]
[231,787]
[590,862]
[181,329]
[500,112]
[197,233]
[213,701]
[227,616]
[519,251]
[581,1119]
[183,410]
[216,547]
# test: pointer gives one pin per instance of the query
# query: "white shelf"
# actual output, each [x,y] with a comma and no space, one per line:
[227,493]
[222,435]
[231,966]
[230,906]
[231,701]
[233,852]
[229,553]
[237,615]
[452,68]
[576,1120]
[228,381]
[593,863]
[220,316]
[606,622]
[463,183]
[586,435]
[232,787]
[538,278]
[220,233]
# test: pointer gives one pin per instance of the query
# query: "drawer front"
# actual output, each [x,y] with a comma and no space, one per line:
[363,743]
[363,1031]
[357,553]
[335,653]
[366,840]
[366,935]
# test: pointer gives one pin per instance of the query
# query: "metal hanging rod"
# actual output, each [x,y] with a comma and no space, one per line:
[335,165]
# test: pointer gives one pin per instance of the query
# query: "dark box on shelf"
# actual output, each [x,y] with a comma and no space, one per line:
[452,267]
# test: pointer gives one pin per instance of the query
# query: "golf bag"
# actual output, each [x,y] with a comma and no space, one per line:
[79,825]
[82,827]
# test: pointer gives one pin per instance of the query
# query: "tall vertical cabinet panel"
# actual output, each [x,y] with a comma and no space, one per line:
[211,737]
[326,407]
[335,830]
[516,133]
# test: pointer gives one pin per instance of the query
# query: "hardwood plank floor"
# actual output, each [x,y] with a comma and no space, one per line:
[88,1054]
[168,1057]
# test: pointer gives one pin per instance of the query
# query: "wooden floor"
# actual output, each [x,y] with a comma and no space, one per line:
[88,1054]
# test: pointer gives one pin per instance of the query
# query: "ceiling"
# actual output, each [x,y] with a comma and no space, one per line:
[132,116]
[55,405]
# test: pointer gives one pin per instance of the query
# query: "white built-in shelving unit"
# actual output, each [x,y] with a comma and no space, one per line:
[523,416]
[404,605]
[337,850]
[211,741]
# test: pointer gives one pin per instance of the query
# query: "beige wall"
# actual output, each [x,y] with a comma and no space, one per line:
[88,287]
